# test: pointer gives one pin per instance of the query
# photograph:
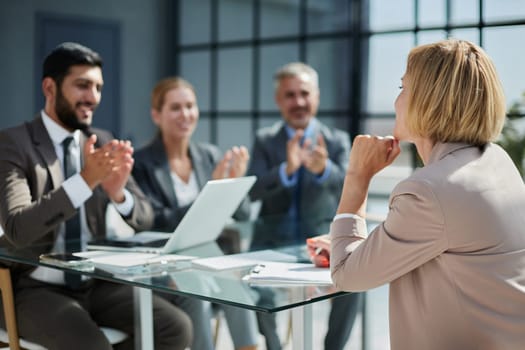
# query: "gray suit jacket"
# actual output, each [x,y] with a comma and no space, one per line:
[34,203]
[453,250]
[152,173]
[318,201]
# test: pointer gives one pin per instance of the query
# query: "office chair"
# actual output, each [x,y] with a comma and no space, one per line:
[114,336]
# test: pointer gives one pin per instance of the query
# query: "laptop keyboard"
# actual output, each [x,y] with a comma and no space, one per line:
[158,243]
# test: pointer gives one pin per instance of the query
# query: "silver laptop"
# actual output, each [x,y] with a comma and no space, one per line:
[202,223]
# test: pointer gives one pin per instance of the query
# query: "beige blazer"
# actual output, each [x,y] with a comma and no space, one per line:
[453,250]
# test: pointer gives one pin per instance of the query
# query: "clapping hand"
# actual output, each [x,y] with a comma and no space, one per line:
[313,158]
[233,164]
[108,166]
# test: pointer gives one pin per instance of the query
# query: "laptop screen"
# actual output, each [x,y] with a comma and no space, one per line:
[202,223]
[210,211]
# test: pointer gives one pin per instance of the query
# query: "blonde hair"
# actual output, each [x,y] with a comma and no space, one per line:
[295,69]
[163,86]
[454,93]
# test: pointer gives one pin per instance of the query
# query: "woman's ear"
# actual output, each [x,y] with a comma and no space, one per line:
[155,116]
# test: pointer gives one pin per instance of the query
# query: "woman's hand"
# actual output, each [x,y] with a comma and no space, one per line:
[239,161]
[319,250]
[370,154]
[233,164]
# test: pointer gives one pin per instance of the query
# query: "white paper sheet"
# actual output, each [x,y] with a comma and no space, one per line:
[133,262]
[227,262]
[289,273]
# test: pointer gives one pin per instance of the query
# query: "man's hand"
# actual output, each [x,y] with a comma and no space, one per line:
[108,166]
[314,160]
[114,183]
[319,250]
[294,153]
[98,163]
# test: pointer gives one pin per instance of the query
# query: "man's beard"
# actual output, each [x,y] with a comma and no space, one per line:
[66,113]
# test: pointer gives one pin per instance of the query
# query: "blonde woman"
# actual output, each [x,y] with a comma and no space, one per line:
[452,246]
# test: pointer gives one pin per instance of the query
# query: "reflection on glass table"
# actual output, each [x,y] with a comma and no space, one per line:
[223,287]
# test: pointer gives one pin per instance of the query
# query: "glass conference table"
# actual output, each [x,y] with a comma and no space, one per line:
[222,287]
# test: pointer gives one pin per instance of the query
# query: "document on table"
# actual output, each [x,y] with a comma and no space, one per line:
[282,273]
[126,263]
[227,262]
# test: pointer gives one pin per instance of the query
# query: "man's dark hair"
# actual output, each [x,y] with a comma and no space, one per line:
[65,55]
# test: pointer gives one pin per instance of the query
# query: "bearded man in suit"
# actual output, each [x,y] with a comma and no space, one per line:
[39,205]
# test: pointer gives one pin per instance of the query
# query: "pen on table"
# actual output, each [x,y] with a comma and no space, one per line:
[324,262]
[257,268]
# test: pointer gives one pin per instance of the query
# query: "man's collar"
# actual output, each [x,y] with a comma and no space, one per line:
[56,132]
[308,131]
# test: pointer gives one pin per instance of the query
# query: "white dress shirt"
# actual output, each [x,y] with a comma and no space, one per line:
[78,192]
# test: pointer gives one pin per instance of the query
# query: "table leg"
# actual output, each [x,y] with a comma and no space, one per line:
[143,298]
[302,327]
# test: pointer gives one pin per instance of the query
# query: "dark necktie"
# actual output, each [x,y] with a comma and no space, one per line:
[72,238]
[297,228]
[297,199]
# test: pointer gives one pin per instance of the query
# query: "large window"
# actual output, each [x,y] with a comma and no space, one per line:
[233,52]
[230,49]
[396,26]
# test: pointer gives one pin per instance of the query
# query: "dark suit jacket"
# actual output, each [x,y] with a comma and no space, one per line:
[34,203]
[152,173]
[318,201]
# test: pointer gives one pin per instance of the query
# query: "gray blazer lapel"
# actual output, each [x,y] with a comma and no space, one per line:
[45,147]
[278,145]
[200,165]
[161,171]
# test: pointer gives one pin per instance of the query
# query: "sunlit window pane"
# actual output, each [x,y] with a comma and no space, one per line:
[234,131]
[464,11]
[382,18]
[269,120]
[235,20]
[503,10]
[192,12]
[428,37]
[195,67]
[327,15]
[470,34]
[338,122]
[272,57]
[234,92]
[432,13]
[203,131]
[507,58]
[385,70]
[279,18]
[331,60]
